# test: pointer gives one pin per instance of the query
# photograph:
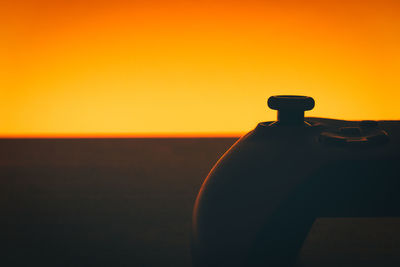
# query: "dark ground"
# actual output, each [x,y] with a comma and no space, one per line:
[128,202]
[101,202]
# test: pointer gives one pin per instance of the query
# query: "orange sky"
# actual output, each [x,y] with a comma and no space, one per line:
[191,67]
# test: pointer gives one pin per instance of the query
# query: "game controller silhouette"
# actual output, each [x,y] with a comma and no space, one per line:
[261,198]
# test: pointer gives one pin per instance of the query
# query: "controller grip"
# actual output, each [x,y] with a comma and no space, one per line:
[335,190]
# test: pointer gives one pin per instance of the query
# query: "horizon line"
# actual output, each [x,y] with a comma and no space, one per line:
[120,135]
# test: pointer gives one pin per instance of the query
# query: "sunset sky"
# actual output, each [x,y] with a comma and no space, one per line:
[87,68]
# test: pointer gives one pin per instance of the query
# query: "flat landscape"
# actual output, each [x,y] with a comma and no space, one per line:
[101,202]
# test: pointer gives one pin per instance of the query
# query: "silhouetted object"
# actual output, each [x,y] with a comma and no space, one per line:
[261,198]
[291,108]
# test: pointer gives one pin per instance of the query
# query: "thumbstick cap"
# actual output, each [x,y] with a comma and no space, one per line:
[291,108]
[290,102]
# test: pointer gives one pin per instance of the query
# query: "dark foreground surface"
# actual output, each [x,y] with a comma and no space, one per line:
[101,202]
[128,202]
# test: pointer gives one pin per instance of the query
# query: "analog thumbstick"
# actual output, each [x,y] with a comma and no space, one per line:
[291,108]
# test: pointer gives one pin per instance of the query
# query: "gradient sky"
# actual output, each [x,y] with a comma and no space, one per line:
[191,67]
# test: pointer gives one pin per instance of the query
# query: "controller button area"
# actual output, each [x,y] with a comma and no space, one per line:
[368,124]
[351,131]
[353,137]
[380,138]
[332,139]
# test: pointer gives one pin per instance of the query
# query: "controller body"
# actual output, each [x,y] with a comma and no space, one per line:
[261,198]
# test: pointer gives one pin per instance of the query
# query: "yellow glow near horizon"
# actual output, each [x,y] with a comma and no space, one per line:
[191,67]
